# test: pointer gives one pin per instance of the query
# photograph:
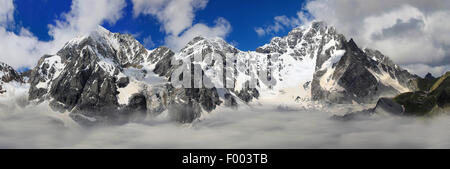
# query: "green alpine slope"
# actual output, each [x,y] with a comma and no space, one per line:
[433,97]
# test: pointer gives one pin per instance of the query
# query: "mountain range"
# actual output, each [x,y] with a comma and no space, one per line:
[110,78]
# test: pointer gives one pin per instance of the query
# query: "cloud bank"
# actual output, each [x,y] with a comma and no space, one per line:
[6,11]
[269,126]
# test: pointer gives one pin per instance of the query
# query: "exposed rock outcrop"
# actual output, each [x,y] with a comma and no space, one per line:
[7,75]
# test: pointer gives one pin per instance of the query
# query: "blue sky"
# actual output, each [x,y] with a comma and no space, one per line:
[243,16]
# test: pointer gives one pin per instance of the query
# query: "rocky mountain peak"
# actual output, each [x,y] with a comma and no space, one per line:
[123,49]
[305,41]
[429,76]
[7,75]
[361,76]
[352,45]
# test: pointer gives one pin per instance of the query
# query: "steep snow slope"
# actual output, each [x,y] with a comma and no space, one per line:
[300,51]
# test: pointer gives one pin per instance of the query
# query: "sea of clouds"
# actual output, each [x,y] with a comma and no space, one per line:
[269,126]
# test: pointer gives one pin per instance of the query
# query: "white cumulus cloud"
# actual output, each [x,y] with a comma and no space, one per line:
[84,17]
[177,19]
[24,49]
[281,23]
[268,126]
[411,32]
[6,11]
[221,28]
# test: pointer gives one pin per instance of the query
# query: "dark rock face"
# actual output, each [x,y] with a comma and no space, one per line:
[123,82]
[444,99]
[248,94]
[386,105]
[359,74]
[81,86]
[429,76]
[354,76]
[164,55]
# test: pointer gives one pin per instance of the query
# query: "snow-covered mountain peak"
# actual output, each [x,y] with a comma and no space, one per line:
[98,34]
[121,49]
[305,41]
[208,45]
[315,26]
[100,30]
[8,74]
[9,78]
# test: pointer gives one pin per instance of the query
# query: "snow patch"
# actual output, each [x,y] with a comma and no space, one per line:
[54,62]
[125,93]
[335,57]
[387,80]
